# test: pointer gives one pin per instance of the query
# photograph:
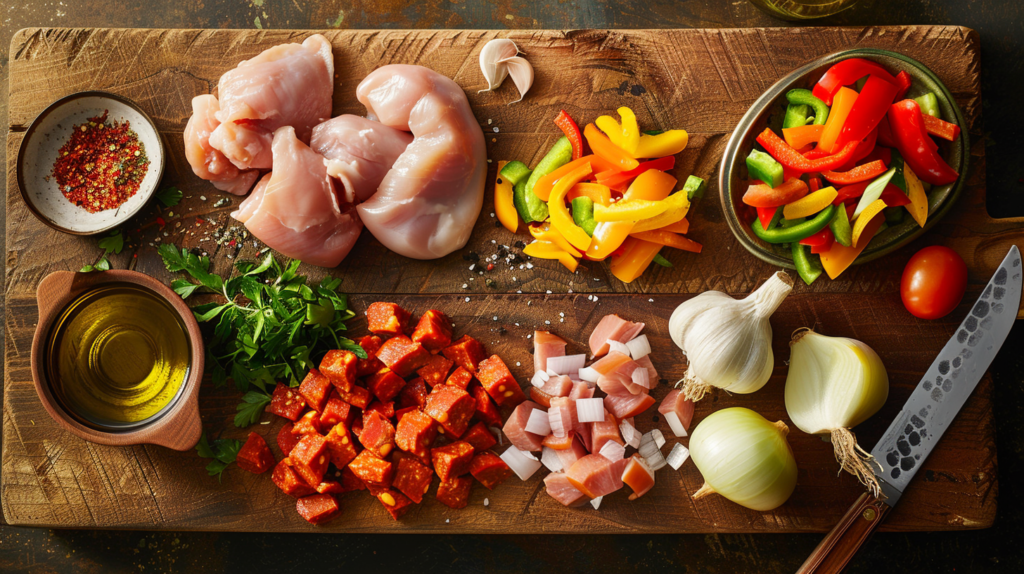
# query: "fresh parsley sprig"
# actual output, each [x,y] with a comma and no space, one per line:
[223,451]
[113,242]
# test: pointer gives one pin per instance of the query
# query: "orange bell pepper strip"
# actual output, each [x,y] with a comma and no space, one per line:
[542,189]
[761,195]
[601,194]
[605,149]
[839,257]
[802,136]
[545,234]
[652,185]
[504,207]
[636,257]
[547,250]
[561,219]
[669,239]
[841,106]
[682,226]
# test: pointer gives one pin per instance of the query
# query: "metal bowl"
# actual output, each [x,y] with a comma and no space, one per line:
[769,110]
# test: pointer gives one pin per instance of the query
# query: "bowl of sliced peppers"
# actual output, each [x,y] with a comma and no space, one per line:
[843,161]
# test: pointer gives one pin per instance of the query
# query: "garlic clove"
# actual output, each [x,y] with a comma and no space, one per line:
[491,61]
[522,74]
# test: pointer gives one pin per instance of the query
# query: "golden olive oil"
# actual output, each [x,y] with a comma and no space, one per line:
[117,356]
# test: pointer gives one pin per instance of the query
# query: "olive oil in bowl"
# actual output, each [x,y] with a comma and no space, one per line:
[117,356]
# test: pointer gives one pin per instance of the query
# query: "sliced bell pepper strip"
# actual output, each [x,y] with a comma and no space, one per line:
[635,259]
[682,226]
[678,205]
[841,107]
[669,239]
[619,181]
[885,133]
[792,159]
[810,204]
[544,233]
[894,196]
[664,144]
[928,103]
[814,183]
[872,192]
[908,130]
[795,232]
[572,132]
[806,268]
[802,136]
[652,185]
[820,238]
[865,148]
[561,218]
[694,187]
[543,186]
[583,214]
[796,115]
[766,215]
[903,82]
[855,175]
[625,134]
[846,73]
[840,226]
[839,258]
[761,195]
[941,128]
[605,149]
[763,166]
[802,96]
[918,207]
[595,191]
[883,154]
[850,192]
[504,207]
[862,221]
[547,250]
[629,210]
[871,105]
[819,249]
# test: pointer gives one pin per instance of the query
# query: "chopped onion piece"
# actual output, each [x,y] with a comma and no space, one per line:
[498,433]
[629,433]
[589,374]
[567,365]
[596,503]
[678,456]
[549,372]
[641,377]
[556,423]
[538,423]
[613,451]
[590,410]
[617,346]
[550,459]
[652,454]
[639,347]
[539,378]
[522,463]
[675,424]
[658,437]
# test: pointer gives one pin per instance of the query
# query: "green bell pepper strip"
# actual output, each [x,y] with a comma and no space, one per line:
[519,199]
[796,232]
[929,104]
[662,261]
[514,172]
[559,155]
[796,115]
[896,162]
[840,226]
[583,214]
[809,269]
[873,191]
[763,166]
[694,187]
[802,96]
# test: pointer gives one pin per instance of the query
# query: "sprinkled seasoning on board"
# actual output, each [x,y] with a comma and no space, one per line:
[102,165]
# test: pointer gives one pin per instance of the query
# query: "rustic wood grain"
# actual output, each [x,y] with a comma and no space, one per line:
[701,80]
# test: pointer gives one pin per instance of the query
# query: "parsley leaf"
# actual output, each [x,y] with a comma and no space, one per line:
[251,407]
[196,266]
[223,451]
[662,261]
[169,196]
[112,243]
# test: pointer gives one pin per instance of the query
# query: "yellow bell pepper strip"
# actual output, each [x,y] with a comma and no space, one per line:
[839,257]
[918,206]
[547,250]
[669,239]
[545,234]
[629,210]
[682,227]
[678,206]
[801,136]
[841,106]
[862,221]
[810,204]
[664,144]
[605,149]
[601,194]
[636,257]
[651,185]
[504,208]
[626,134]
[561,218]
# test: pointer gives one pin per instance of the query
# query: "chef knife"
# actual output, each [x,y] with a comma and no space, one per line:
[926,415]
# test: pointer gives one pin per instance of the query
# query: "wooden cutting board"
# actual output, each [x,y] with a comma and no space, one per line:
[700,80]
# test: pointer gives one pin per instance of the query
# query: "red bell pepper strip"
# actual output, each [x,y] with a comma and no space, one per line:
[885,133]
[848,192]
[818,249]
[855,175]
[572,132]
[820,238]
[816,153]
[622,179]
[882,154]
[863,150]
[894,196]
[850,208]
[814,183]
[845,73]
[792,159]
[941,128]
[903,83]
[766,215]
[908,130]
[868,109]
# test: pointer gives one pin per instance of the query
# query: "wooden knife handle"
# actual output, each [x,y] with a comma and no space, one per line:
[839,546]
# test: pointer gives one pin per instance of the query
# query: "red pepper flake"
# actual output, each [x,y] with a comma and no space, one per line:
[160,221]
[102,165]
[232,243]
[490,267]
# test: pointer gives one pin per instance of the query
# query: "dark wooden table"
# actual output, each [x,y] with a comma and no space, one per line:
[1001,25]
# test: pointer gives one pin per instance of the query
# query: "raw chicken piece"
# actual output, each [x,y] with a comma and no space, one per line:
[428,203]
[562,416]
[614,328]
[557,386]
[558,486]
[581,390]
[570,455]
[287,85]
[556,444]
[515,428]
[359,152]
[620,380]
[639,476]
[296,211]
[678,411]
[627,405]
[652,373]
[595,475]
[207,162]
[603,432]
[546,345]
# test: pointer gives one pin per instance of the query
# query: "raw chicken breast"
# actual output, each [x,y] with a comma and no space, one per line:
[287,85]
[515,428]
[427,204]
[595,475]
[612,328]
[207,162]
[545,346]
[359,152]
[296,211]
[558,487]
[570,455]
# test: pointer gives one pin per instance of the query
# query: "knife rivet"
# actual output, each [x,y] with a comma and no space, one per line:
[869,514]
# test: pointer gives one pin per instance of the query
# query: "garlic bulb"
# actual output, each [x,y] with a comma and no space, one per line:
[834,384]
[745,458]
[728,342]
[491,56]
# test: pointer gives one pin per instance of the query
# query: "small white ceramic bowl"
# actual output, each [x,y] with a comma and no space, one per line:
[50,130]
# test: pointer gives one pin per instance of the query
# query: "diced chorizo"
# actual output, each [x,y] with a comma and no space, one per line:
[499,382]
[402,412]
[416,432]
[480,437]
[309,423]
[396,503]
[452,460]
[315,389]
[489,469]
[454,493]
[434,330]
[329,486]
[371,364]
[412,478]
[310,458]
[336,412]
[356,396]
[255,455]
[378,435]
[339,366]
[466,352]
[413,394]
[286,441]
[386,319]
[349,481]
[452,408]
[386,410]
[385,384]
[289,481]
[341,445]
[486,410]
[460,378]
[436,370]
[286,402]
[372,469]
[317,508]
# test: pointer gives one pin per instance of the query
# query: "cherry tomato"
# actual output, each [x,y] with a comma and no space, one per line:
[933,282]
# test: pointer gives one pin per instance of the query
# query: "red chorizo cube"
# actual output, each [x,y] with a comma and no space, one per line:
[412,478]
[454,493]
[402,355]
[416,432]
[436,369]
[480,437]
[317,508]
[286,441]
[336,412]
[385,384]
[329,486]
[344,478]
[452,460]
[371,364]
[386,319]
[356,396]
[394,502]
[486,411]
[315,389]
[286,402]
[466,352]
[357,427]
[310,458]
[289,481]
[341,445]
[339,366]
[460,378]
[378,435]
[499,382]
[434,331]
[371,469]
[452,407]
[255,455]
[309,423]
[489,469]
[386,410]
[402,412]
[414,394]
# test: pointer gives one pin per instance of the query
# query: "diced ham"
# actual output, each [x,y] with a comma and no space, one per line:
[620,380]
[570,455]
[562,416]
[515,428]
[614,328]
[595,475]
[652,373]
[609,362]
[581,390]
[558,486]
[678,412]
[638,476]
[545,345]
[558,386]
[626,405]
[603,432]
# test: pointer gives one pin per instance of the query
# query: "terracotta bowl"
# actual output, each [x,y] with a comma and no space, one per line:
[769,110]
[178,425]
